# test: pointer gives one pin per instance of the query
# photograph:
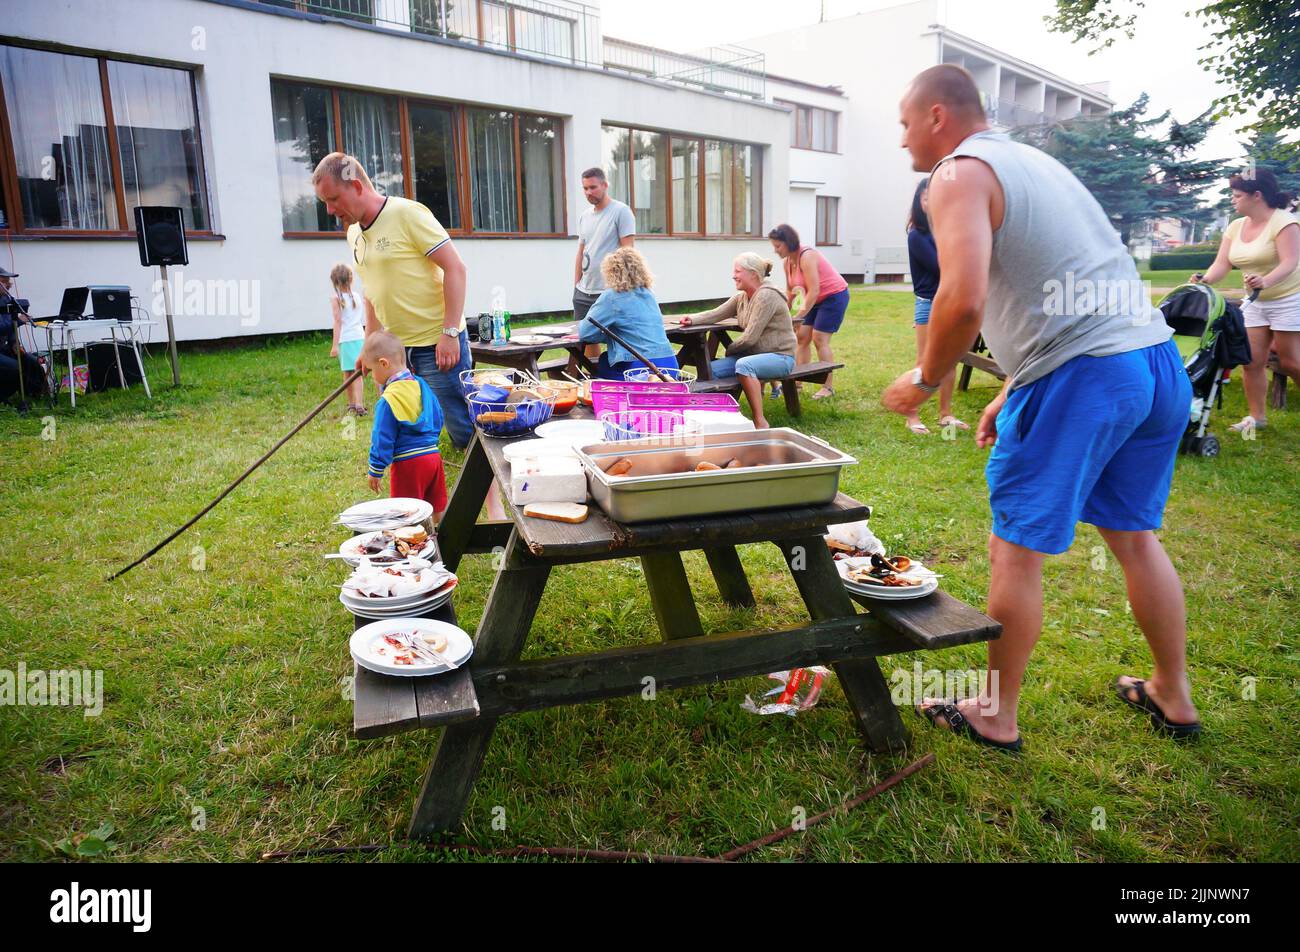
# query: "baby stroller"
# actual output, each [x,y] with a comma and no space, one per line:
[1197,310]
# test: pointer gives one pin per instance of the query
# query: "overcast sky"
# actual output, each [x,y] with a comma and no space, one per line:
[1160,60]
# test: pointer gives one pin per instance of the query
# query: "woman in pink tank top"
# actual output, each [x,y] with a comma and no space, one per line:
[825,298]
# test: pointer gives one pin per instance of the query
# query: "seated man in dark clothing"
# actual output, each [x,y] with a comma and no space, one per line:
[33,375]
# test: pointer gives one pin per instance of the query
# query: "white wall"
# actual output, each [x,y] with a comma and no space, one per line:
[872,57]
[241,49]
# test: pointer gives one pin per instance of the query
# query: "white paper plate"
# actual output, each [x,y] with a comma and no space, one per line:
[360,517]
[351,549]
[410,611]
[529,340]
[414,598]
[554,330]
[532,449]
[574,432]
[881,592]
[367,644]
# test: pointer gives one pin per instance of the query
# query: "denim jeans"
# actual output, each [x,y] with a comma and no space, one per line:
[762,366]
[423,362]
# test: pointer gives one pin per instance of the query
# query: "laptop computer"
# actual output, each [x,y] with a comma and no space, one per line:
[73,307]
[110,302]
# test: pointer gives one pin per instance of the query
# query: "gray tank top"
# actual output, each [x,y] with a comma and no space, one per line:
[1061,283]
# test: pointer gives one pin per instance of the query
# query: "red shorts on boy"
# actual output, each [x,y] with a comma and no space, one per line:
[420,478]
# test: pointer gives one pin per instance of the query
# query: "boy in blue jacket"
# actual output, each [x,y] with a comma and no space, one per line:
[408,424]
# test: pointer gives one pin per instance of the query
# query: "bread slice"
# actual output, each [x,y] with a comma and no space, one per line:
[570,512]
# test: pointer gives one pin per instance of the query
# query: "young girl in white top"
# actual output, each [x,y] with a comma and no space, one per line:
[349,332]
[1264,243]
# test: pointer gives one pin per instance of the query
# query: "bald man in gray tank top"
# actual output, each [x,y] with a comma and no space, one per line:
[1096,398]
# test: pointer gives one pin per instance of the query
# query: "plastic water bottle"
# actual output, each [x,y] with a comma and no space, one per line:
[498,331]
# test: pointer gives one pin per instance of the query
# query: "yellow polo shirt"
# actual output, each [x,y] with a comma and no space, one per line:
[392,257]
[1260,256]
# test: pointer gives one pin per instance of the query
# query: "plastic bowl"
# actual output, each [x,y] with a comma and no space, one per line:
[644,375]
[528,413]
[566,395]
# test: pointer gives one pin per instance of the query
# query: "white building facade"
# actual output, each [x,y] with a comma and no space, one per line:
[224,106]
[857,166]
[485,110]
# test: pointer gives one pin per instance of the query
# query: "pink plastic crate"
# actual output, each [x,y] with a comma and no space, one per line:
[723,402]
[608,396]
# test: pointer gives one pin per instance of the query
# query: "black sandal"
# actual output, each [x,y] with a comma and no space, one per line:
[1162,724]
[958,724]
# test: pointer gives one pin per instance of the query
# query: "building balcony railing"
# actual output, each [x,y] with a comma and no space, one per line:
[731,70]
[564,31]
[559,30]
[1006,112]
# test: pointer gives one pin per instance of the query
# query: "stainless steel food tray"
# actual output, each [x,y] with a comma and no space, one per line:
[779,468]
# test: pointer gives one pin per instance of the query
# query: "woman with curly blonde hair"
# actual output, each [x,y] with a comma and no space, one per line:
[628,308]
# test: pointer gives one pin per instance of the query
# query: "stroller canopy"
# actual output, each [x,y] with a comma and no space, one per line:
[1197,310]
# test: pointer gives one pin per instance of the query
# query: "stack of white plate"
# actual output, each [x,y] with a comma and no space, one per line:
[378,514]
[886,593]
[398,607]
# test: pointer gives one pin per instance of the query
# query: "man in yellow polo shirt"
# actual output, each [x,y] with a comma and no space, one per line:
[413,276]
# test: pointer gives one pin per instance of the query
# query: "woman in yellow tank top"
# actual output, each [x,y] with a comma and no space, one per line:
[1264,244]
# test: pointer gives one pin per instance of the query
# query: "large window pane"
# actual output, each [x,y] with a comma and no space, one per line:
[433,161]
[372,131]
[304,134]
[616,146]
[492,170]
[542,176]
[650,174]
[537,32]
[719,187]
[60,137]
[158,139]
[686,186]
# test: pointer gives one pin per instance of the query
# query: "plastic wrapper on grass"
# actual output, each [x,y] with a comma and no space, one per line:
[799,691]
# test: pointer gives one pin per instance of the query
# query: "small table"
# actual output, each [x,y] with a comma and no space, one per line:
[495,683]
[67,333]
[699,344]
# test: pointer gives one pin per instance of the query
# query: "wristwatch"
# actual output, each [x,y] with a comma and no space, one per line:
[451,332]
[919,382]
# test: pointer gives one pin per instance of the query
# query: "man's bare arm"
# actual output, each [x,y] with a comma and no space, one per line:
[577,265]
[627,241]
[455,278]
[961,215]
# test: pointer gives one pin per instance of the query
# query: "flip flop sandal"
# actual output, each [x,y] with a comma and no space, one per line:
[824,393]
[1247,424]
[920,429]
[953,421]
[957,723]
[1159,721]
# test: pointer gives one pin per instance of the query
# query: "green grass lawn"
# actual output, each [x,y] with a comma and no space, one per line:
[1172,279]
[225,731]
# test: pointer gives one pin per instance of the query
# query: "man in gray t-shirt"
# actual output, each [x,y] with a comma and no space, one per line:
[607,226]
[1096,402]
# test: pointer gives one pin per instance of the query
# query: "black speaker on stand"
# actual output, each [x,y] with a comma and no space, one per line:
[160,233]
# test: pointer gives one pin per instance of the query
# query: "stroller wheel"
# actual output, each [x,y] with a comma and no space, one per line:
[1209,447]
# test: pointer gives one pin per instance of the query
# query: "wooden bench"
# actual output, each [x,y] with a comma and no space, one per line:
[809,373]
[978,359]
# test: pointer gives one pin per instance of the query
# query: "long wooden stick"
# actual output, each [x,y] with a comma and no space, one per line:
[630,349]
[732,855]
[248,472]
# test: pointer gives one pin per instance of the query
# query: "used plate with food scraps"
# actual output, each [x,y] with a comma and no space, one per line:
[382,548]
[379,647]
[904,578]
[378,514]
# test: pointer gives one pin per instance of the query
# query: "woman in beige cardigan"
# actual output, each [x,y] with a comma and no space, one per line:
[766,346]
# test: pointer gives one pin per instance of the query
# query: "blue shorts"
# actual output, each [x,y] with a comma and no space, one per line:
[1094,441]
[921,314]
[349,351]
[828,315]
[762,366]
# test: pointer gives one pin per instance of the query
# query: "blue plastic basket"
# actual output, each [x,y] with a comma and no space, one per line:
[529,414]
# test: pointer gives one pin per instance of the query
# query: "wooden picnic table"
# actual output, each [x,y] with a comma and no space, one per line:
[494,683]
[698,345]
